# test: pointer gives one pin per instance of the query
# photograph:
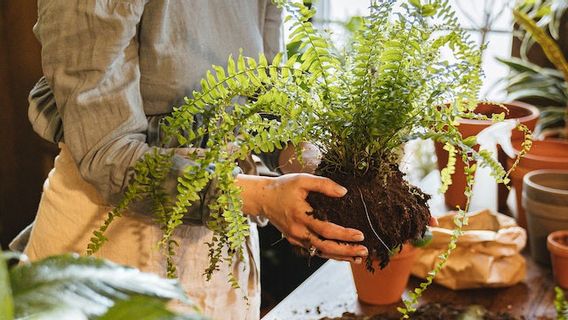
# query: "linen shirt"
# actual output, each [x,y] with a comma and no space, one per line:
[116,67]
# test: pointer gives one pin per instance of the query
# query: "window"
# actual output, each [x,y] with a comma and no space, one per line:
[487,20]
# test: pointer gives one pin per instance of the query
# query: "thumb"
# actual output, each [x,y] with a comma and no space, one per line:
[323,185]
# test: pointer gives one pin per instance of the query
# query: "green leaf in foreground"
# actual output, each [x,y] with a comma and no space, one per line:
[144,308]
[6,302]
[74,287]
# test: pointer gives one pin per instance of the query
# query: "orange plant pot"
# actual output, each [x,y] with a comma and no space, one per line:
[547,154]
[387,285]
[525,113]
[557,244]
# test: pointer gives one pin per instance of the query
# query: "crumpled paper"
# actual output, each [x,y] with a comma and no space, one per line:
[487,254]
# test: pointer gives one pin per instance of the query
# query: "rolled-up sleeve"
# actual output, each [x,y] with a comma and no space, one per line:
[90,59]
[272,44]
[272,33]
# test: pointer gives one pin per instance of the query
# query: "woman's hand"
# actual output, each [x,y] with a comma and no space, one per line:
[283,201]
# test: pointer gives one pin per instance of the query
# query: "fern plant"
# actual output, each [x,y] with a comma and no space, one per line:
[561,304]
[411,72]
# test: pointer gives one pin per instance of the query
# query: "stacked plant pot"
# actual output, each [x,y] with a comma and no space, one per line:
[524,113]
[545,154]
[545,199]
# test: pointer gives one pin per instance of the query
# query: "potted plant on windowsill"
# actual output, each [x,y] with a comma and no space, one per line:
[359,108]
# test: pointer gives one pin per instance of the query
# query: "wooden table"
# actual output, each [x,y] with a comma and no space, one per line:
[330,291]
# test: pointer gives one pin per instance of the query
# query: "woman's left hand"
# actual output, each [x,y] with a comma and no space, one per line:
[283,201]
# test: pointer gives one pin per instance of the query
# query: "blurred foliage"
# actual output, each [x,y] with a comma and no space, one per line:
[561,304]
[541,21]
[75,288]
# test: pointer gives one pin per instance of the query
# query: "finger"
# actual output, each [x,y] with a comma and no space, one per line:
[332,231]
[433,222]
[299,233]
[356,260]
[322,185]
[295,242]
[332,248]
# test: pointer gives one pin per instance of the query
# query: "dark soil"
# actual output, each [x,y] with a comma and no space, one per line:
[437,311]
[397,211]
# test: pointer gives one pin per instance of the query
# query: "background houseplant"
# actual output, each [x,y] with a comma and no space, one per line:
[541,21]
[358,107]
[73,287]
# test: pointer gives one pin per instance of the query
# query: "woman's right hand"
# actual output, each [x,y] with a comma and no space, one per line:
[283,201]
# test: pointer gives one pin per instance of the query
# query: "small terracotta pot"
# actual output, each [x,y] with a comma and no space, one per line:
[525,113]
[557,244]
[547,154]
[387,285]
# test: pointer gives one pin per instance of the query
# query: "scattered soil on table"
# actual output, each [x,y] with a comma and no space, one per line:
[437,311]
[397,211]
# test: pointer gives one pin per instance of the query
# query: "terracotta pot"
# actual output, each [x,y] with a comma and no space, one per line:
[557,243]
[545,199]
[525,113]
[387,285]
[547,154]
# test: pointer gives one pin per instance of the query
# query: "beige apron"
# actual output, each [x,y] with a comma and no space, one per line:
[70,209]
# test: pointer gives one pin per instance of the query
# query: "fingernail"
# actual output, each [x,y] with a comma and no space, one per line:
[358,260]
[363,252]
[341,191]
[358,237]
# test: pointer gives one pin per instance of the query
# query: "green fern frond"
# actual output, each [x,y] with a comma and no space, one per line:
[561,304]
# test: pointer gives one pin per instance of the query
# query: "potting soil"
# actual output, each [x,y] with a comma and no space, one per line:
[385,207]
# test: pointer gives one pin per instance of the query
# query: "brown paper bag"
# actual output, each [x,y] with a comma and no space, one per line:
[487,254]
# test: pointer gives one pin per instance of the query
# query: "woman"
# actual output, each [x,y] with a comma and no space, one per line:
[116,68]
